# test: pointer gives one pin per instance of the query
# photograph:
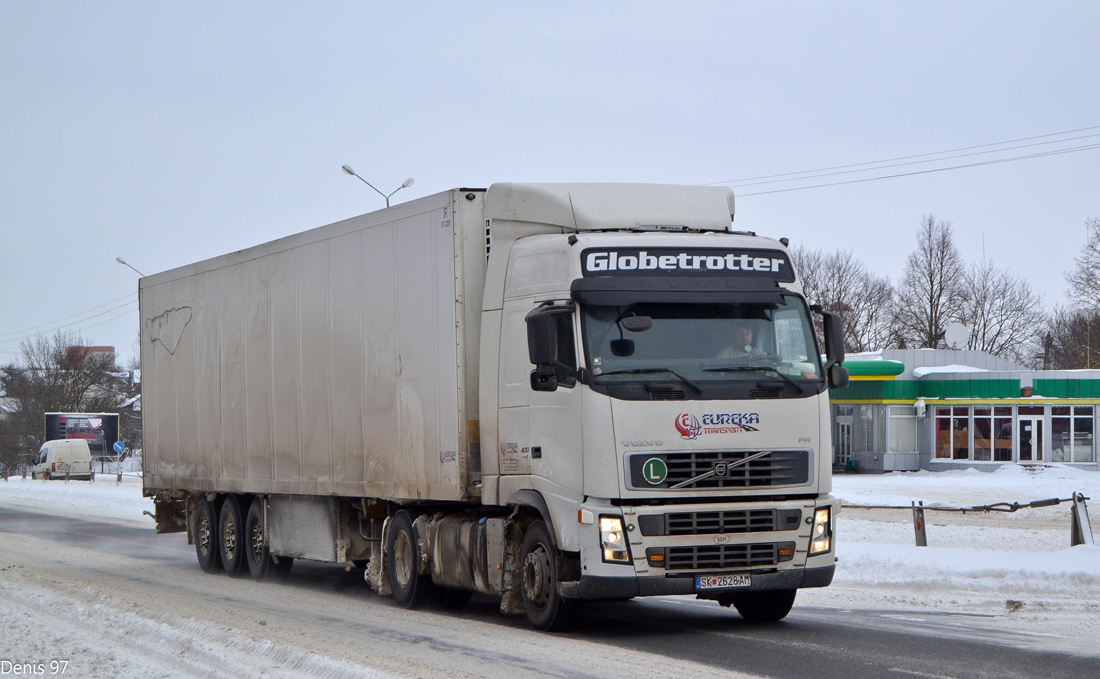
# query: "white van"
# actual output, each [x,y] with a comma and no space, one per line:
[63,456]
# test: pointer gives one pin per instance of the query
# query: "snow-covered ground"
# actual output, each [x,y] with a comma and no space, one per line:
[1010,572]
[1017,568]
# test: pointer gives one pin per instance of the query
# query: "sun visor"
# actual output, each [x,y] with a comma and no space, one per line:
[618,291]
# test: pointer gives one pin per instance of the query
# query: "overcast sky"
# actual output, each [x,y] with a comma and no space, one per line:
[167,133]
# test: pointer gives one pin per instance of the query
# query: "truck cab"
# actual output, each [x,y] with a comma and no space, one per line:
[662,403]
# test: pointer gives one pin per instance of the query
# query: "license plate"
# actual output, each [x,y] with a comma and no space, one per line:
[704,582]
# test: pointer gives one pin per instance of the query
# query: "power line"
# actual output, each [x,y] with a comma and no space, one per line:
[938,169]
[919,162]
[131,297]
[919,155]
[11,343]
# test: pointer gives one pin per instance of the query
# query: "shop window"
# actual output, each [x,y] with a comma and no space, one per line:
[960,434]
[865,438]
[943,433]
[1071,432]
[983,434]
[903,429]
[1002,431]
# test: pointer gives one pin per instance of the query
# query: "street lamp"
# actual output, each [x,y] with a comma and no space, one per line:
[123,262]
[408,182]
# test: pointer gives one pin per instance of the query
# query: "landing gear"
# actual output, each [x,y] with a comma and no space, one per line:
[767,606]
[545,608]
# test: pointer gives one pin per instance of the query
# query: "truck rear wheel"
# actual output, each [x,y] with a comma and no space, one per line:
[231,542]
[545,608]
[767,606]
[206,536]
[410,587]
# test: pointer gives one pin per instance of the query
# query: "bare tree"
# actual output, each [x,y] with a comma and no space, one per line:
[1070,340]
[1084,280]
[843,284]
[1004,315]
[932,293]
[54,376]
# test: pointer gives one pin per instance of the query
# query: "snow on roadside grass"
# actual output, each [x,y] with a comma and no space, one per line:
[101,498]
[965,488]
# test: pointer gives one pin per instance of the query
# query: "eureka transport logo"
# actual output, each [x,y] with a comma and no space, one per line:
[690,427]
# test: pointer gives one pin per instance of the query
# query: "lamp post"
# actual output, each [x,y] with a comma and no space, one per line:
[407,183]
[123,262]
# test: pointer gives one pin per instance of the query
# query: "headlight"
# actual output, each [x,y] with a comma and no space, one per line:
[821,537]
[613,540]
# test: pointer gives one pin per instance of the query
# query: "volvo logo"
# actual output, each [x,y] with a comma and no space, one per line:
[720,468]
[642,444]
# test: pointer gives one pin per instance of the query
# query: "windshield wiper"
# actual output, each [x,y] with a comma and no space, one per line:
[742,368]
[642,371]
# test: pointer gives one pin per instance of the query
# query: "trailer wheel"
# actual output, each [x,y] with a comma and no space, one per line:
[767,606]
[206,536]
[546,609]
[231,542]
[410,587]
[256,554]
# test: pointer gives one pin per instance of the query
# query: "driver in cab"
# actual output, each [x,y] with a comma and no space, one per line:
[742,346]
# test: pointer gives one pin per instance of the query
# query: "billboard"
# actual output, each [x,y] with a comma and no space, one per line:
[100,430]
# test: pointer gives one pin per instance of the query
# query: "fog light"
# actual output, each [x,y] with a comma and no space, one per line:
[611,537]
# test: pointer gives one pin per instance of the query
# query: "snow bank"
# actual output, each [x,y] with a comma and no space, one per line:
[967,487]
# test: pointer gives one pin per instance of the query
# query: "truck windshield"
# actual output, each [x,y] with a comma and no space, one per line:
[701,346]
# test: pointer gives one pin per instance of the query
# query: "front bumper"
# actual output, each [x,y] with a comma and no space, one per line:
[606,587]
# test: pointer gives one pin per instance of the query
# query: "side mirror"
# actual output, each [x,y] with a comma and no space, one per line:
[544,379]
[542,333]
[834,337]
[836,374]
[550,346]
[838,377]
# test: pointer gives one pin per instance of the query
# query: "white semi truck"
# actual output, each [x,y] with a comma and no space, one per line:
[551,393]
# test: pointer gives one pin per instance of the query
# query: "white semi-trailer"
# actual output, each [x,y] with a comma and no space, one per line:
[548,392]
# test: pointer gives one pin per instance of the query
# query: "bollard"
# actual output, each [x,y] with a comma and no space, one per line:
[118,479]
[1080,531]
[66,477]
[918,525]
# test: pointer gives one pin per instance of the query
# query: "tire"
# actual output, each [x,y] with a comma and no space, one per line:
[33,477]
[260,561]
[411,589]
[206,536]
[231,542]
[255,552]
[538,581]
[767,606]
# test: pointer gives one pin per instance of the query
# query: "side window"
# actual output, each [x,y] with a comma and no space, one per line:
[41,455]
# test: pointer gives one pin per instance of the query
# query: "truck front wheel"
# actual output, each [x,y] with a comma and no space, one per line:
[410,587]
[767,606]
[206,536]
[545,608]
[231,542]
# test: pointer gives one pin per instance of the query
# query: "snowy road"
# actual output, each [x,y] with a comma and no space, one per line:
[114,599]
